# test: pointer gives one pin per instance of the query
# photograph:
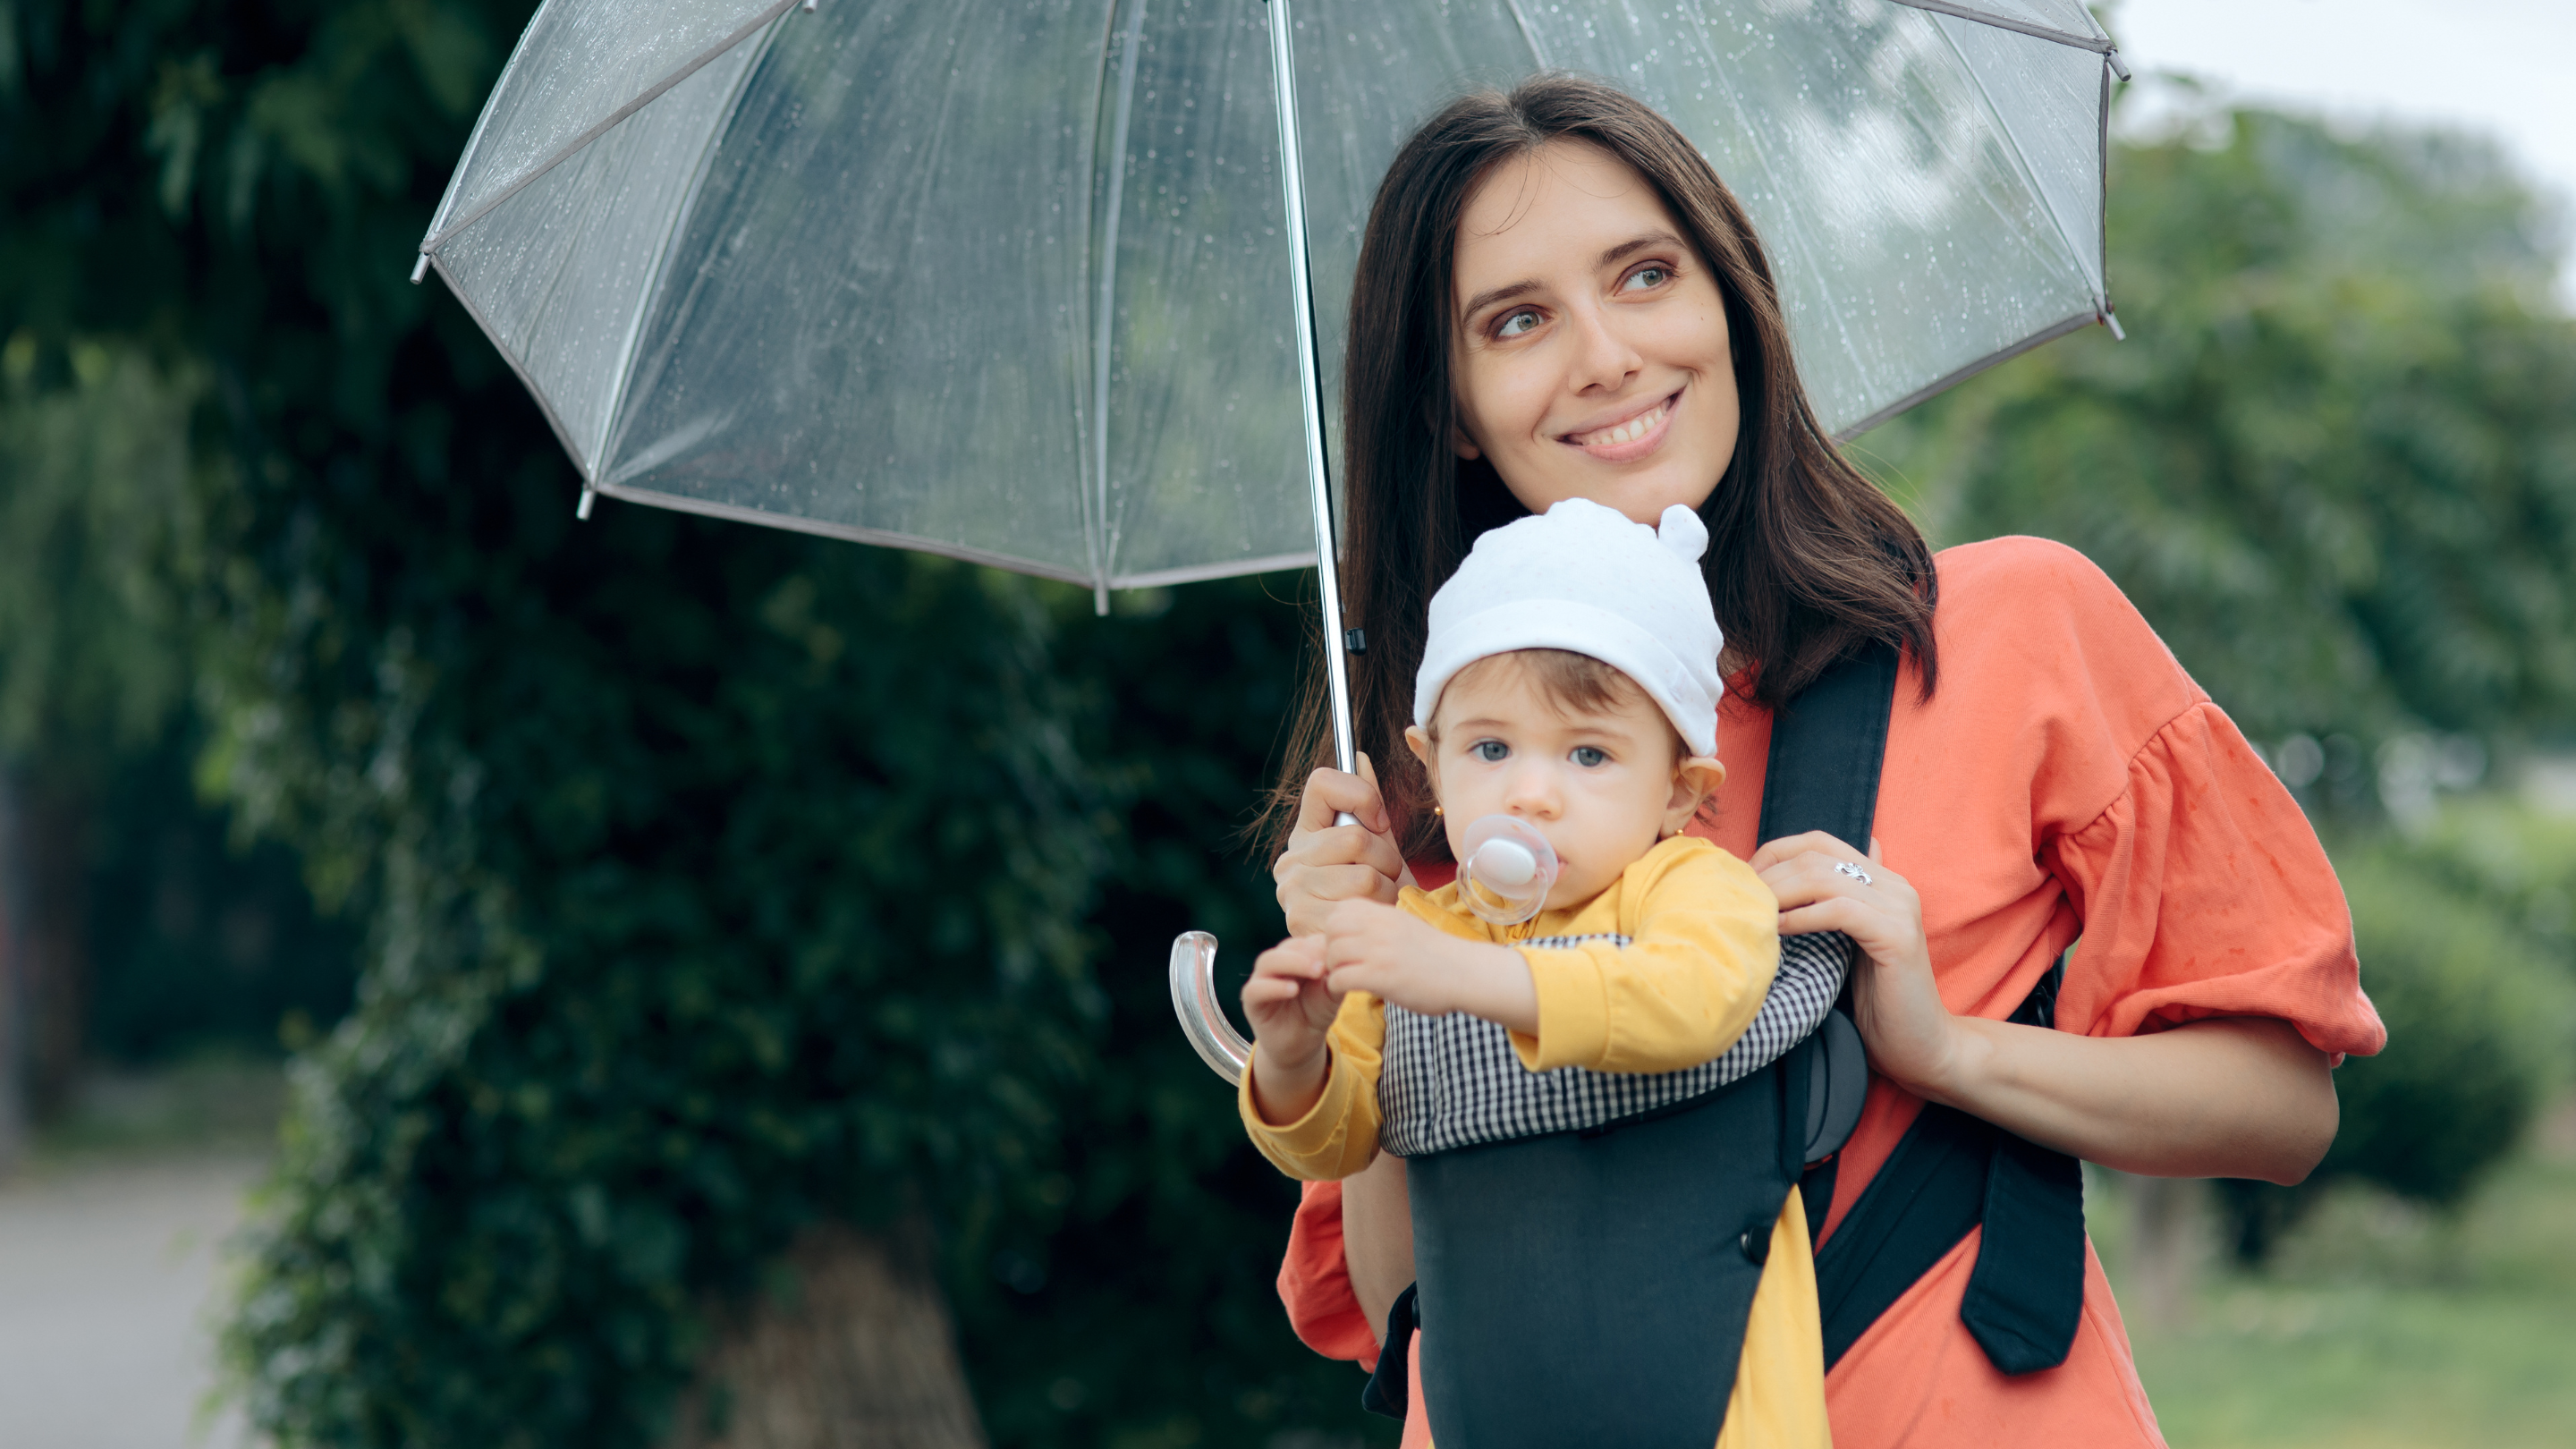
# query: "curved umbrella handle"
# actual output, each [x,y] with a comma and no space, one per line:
[1202,1018]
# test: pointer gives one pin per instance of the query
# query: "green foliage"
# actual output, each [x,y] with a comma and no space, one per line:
[2335,462]
[2478,1020]
[2335,466]
[2466,950]
[715,880]
[199,944]
[741,890]
[94,522]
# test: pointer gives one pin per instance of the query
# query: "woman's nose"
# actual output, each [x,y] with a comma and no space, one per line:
[1603,358]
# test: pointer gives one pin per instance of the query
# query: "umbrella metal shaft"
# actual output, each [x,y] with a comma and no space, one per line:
[1310,383]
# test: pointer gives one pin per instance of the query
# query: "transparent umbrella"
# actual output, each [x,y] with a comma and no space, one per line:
[1044,284]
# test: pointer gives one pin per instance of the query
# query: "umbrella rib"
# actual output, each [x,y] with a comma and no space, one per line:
[574,145]
[612,428]
[1104,317]
[2099,44]
[2021,165]
[1956,376]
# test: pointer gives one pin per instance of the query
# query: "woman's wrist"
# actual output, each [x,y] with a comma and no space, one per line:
[1963,1069]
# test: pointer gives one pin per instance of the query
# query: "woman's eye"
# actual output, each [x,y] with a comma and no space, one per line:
[1492,752]
[1516,324]
[1646,279]
[1590,757]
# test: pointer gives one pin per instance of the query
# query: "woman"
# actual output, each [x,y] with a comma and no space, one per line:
[1557,298]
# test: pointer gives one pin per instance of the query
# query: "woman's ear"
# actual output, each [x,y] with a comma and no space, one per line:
[1695,779]
[1462,445]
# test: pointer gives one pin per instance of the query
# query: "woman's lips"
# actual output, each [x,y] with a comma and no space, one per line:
[1630,439]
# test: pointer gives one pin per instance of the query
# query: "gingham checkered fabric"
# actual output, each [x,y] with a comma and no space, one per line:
[1454,1081]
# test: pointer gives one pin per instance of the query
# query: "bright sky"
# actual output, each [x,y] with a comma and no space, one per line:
[2505,67]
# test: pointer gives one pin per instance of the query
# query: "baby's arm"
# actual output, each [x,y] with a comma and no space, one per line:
[1309,1094]
[1703,947]
[1291,1011]
[1399,957]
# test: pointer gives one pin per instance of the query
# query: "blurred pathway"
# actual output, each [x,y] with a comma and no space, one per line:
[107,1275]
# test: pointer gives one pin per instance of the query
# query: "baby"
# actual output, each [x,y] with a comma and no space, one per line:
[1593,963]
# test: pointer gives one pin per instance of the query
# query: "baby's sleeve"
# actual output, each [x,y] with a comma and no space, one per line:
[1338,1135]
[1704,943]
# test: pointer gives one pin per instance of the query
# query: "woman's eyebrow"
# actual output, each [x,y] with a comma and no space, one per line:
[1638,244]
[1482,300]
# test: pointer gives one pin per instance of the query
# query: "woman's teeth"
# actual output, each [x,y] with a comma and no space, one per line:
[1627,432]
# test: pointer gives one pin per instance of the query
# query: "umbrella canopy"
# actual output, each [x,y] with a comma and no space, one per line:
[1011,279]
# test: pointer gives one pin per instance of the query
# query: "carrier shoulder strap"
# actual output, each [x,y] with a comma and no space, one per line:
[1827,747]
[1950,1172]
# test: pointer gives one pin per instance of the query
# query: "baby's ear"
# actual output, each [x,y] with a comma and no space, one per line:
[1419,741]
[1695,782]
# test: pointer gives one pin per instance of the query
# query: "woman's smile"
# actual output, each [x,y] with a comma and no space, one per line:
[1590,357]
[1630,438]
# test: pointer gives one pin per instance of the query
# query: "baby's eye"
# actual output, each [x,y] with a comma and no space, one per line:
[1516,324]
[1646,279]
[1492,752]
[1590,757]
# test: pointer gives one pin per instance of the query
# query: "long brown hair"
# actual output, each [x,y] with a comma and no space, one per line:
[1807,561]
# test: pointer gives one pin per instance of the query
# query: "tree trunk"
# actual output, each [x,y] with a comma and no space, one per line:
[50,849]
[859,1353]
[2168,1239]
[13,897]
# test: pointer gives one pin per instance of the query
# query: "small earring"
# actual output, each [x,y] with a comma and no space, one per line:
[1435,810]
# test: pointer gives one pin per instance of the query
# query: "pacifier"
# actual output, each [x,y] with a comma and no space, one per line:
[1505,869]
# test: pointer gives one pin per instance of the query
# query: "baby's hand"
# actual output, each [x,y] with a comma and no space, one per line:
[1403,959]
[1291,1010]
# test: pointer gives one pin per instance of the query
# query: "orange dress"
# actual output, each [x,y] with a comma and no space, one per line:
[2068,779]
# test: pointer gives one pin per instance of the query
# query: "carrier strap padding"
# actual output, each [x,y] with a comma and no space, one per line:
[1826,747]
[1949,1173]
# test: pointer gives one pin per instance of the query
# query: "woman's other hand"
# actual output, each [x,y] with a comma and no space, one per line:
[1912,1038]
[1326,863]
[2220,1097]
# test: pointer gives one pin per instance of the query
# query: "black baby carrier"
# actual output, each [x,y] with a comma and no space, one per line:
[1590,1283]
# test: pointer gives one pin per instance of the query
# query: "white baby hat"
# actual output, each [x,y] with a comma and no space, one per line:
[1583,578]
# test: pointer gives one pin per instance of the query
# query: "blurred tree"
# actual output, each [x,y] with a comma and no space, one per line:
[2335,465]
[732,898]
[2335,462]
[94,522]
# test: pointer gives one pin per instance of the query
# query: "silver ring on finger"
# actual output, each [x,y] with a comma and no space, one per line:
[1845,867]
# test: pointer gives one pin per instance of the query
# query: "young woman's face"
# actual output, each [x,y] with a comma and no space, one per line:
[1590,351]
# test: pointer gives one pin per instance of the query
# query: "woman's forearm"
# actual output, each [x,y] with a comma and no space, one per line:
[2228,1097]
[1377,1237]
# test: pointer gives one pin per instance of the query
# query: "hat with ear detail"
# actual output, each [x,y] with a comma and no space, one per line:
[1584,578]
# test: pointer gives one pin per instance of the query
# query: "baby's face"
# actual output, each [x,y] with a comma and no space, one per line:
[1603,785]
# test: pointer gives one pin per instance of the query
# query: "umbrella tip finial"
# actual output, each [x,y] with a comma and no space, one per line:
[809,9]
[420,269]
[2111,320]
[581,510]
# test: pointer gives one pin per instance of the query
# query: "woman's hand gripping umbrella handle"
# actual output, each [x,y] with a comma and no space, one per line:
[1341,850]
[1194,954]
